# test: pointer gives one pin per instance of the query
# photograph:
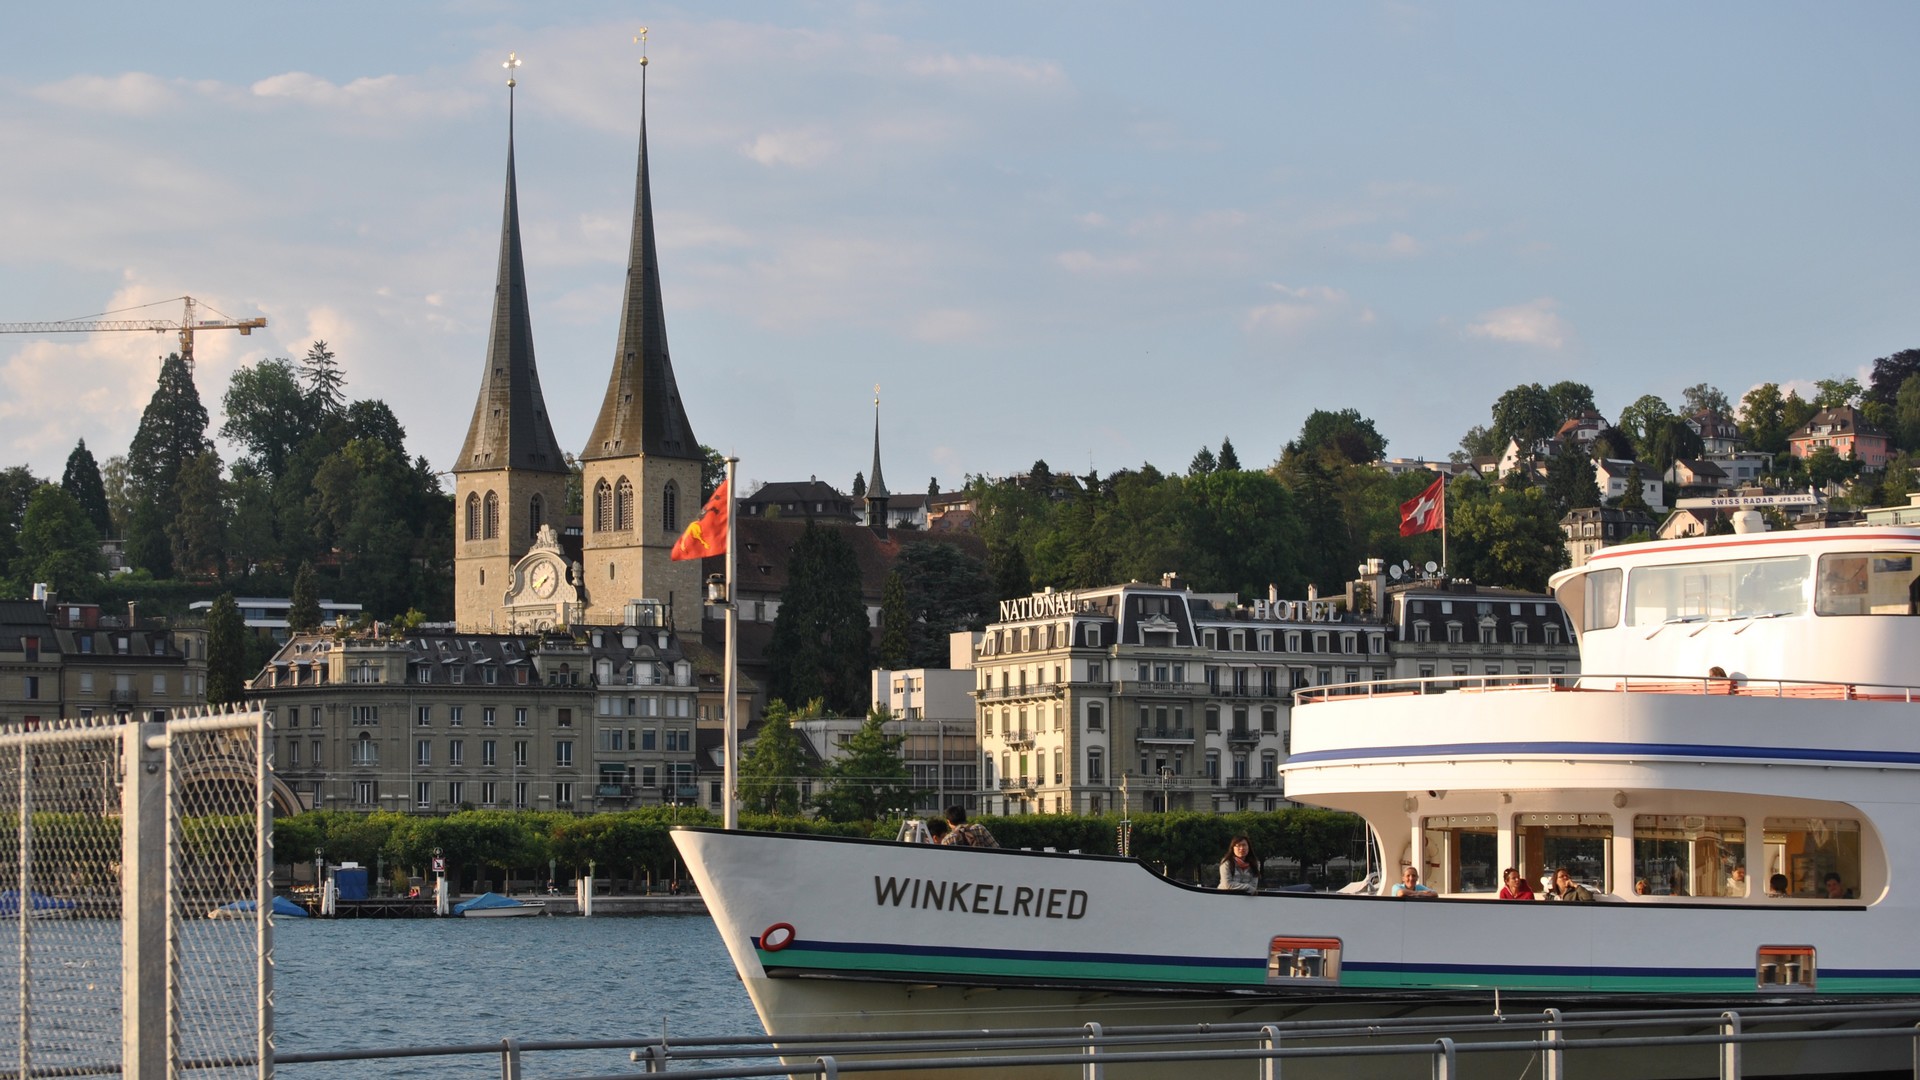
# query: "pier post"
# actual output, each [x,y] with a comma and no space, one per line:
[1270,1040]
[1094,1069]
[144,963]
[1729,1050]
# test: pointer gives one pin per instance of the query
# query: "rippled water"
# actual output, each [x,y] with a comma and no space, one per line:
[357,983]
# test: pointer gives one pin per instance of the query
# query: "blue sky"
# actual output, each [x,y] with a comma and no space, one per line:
[1091,233]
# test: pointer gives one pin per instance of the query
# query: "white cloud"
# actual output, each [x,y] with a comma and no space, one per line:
[1298,307]
[949,325]
[1001,69]
[799,148]
[135,93]
[1533,323]
[1085,262]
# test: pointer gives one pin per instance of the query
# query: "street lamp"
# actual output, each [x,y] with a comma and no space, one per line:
[1166,778]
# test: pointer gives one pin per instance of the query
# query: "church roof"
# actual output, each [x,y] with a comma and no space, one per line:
[642,413]
[510,429]
[876,487]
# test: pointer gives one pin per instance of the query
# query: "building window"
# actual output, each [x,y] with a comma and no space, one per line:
[489,753]
[455,714]
[520,753]
[423,795]
[536,515]
[457,752]
[1096,716]
[492,524]
[32,686]
[486,716]
[426,716]
[623,505]
[563,793]
[1455,633]
[1488,634]
[1059,766]
[603,507]
[488,793]
[520,717]
[365,792]
[1096,766]
[423,752]
[670,507]
[473,516]
[365,750]
[1519,634]
[563,753]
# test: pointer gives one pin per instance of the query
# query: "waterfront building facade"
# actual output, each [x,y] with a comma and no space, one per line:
[932,711]
[437,721]
[69,660]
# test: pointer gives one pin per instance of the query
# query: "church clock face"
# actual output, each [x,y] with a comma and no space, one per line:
[543,579]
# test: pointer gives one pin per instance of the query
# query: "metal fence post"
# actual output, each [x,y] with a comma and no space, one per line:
[829,1068]
[1729,1050]
[1444,1062]
[1553,1060]
[1270,1040]
[263,892]
[145,959]
[509,1058]
[1093,1069]
[25,885]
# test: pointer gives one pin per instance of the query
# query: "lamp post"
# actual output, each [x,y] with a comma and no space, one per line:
[1166,778]
[319,867]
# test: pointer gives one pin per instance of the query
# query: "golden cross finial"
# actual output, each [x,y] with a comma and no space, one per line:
[640,39]
[513,61]
[876,394]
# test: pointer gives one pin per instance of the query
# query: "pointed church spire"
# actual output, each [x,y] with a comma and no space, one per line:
[877,497]
[510,428]
[642,413]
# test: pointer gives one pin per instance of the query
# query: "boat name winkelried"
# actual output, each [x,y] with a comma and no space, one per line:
[980,898]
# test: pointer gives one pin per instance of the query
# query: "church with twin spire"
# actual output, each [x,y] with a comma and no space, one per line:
[515,568]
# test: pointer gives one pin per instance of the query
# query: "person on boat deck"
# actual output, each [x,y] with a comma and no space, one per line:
[1677,884]
[1641,888]
[1777,885]
[1240,871]
[1836,889]
[1564,887]
[966,833]
[1514,887]
[1410,885]
[937,830]
[1737,882]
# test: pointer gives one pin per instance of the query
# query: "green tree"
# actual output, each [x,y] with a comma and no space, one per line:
[1570,482]
[58,544]
[1906,413]
[1352,435]
[1890,373]
[859,485]
[1504,538]
[268,415]
[1762,419]
[944,591]
[17,486]
[226,651]
[1635,497]
[251,539]
[1229,461]
[1479,442]
[1641,419]
[82,481]
[1612,443]
[870,778]
[304,614]
[1835,393]
[1241,534]
[1673,439]
[933,486]
[821,638]
[771,769]
[172,433]
[1203,462]
[198,532]
[118,480]
[713,471]
[1571,399]
[895,642]
[325,385]
[1703,396]
[1528,415]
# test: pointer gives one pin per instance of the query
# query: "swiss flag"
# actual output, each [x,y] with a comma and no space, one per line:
[1427,511]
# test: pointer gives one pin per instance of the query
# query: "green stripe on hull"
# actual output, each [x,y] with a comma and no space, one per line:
[1183,977]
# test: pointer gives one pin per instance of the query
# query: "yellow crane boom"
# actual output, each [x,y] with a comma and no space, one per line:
[185,326]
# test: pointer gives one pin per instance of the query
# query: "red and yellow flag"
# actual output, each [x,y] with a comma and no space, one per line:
[708,536]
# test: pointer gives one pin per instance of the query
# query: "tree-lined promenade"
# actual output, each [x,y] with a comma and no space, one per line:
[633,846]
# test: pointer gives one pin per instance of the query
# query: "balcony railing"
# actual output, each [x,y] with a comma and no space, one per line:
[1020,740]
[1001,693]
[1162,688]
[1163,734]
[1245,735]
[613,791]
[123,697]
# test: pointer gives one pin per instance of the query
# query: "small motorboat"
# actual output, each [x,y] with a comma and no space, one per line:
[494,906]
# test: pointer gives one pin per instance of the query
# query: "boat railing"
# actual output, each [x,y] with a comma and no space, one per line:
[1252,1049]
[1714,685]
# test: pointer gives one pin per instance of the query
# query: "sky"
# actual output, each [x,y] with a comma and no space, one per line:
[1098,235]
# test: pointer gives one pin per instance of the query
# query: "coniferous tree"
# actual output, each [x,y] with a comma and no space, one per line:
[1203,462]
[933,486]
[772,768]
[226,651]
[304,614]
[82,481]
[1229,461]
[945,590]
[326,386]
[198,533]
[895,636]
[821,638]
[172,432]
[859,485]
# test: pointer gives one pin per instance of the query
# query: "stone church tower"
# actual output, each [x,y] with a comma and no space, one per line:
[641,465]
[510,478]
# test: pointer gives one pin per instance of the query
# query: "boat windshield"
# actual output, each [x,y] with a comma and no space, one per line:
[1868,583]
[1727,589]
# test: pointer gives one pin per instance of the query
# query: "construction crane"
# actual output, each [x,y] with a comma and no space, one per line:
[185,326]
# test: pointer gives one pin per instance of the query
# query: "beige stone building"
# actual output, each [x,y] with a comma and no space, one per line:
[60,659]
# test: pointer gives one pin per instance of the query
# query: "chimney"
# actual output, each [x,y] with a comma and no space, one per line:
[133,607]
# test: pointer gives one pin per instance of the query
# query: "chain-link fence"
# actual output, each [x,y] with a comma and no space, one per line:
[122,839]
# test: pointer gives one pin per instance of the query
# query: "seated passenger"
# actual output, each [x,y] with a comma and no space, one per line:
[966,833]
[1836,890]
[1564,888]
[1515,887]
[1239,870]
[1677,884]
[1777,885]
[1410,885]
[1641,888]
[1737,882]
[937,829]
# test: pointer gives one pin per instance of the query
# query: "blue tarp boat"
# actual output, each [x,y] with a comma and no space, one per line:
[495,906]
[281,906]
[39,905]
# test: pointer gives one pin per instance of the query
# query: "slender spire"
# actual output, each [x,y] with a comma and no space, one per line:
[642,412]
[876,487]
[510,429]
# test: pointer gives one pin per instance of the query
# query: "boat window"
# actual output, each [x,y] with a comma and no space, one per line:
[1691,855]
[1744,588]
[1290,959]
[1868,583]
[1784,967]
[1806,850]
[1460,853]
[1579,842]
[1596,604]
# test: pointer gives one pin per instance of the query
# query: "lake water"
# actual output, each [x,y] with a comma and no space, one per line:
[359,983]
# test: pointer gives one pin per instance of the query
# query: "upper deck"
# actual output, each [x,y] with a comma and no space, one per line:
[1837,606]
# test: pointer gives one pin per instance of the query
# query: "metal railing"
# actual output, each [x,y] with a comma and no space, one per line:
[1590,682]
[1551,1038]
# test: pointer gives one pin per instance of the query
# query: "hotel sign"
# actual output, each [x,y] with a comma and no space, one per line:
[1296,610]
[1039,606]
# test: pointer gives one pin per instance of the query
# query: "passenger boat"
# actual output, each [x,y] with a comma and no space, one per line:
[1745,703]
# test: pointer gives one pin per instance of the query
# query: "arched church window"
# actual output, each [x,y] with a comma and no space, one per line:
[536,516]
[492,526]
[473,516]
[623,505]
[670,507]
[603,507]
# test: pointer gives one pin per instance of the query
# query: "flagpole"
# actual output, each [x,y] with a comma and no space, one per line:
[1443,527]
[729,798]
